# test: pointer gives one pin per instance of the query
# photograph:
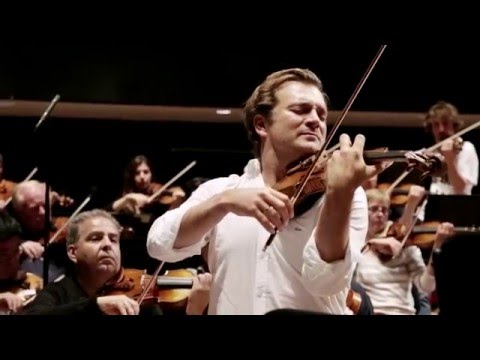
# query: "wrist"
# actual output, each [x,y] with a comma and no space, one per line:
[340,195]
[222,203]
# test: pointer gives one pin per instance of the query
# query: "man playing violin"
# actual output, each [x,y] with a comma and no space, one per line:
[443,121]
[28,208]
[388,271]
[93,246]
[310,263]
[12,279]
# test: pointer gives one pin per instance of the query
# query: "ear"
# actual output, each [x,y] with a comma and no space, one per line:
[260,125]
[72,253]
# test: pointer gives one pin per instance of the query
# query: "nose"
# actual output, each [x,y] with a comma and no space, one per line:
[106,242]
[313,120]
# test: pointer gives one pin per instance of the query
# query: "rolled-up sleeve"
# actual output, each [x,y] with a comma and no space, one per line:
[164,230]
[328,279]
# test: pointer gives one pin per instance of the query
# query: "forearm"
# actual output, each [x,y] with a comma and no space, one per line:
[332,232]
[200,219]
[455,179]
[47,307]
[119,204]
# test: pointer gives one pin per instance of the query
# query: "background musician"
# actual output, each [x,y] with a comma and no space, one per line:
[12,279]
[28,208]
[93,245]
[389,271]
[139,185]
[442,121]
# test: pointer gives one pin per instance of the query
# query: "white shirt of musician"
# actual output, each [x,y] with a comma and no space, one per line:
[467,165]
[290,274]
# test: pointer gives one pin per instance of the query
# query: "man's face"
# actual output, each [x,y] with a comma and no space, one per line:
[32,212]
[9,258]
[298,121]
[442,128]
[98,247]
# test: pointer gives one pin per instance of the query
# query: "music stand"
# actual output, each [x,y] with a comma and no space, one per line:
[455,263]
[460,210]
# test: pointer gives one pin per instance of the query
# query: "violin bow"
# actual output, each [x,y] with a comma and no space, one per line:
[430,149]
[80,207]
[332,132]
[150,283]
[172,180]
[162,189]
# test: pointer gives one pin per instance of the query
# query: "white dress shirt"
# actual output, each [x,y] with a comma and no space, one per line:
[467,165]
[247,281]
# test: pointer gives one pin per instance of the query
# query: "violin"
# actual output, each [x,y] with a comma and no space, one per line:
[315,186]
[171,291]
[26,284]
[168,196]
[399,194]
[424,235]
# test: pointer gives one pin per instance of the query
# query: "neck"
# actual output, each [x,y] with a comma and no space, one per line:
[274,168]
[272,172]
[90,282]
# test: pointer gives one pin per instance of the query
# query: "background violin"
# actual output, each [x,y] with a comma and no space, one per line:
[399,195]
[424,235]
[171,291]
[26,285]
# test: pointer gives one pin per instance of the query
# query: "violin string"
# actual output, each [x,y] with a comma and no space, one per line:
[150,282]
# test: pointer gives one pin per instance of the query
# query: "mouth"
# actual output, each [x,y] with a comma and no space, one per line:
[310,134]
[106,258]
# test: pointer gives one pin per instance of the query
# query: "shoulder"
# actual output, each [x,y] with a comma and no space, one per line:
[251,171]
[468,147]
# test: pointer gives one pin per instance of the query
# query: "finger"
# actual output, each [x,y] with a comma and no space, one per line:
[345,142]
[280,210]
[121,309]
[359,142]
[264,221]
[282,206]
[29,252]
[285,201]
[136,308]
[129,308]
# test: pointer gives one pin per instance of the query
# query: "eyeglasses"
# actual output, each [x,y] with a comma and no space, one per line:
[383,209]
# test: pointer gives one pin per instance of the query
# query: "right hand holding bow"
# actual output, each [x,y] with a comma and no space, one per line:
[270,207]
